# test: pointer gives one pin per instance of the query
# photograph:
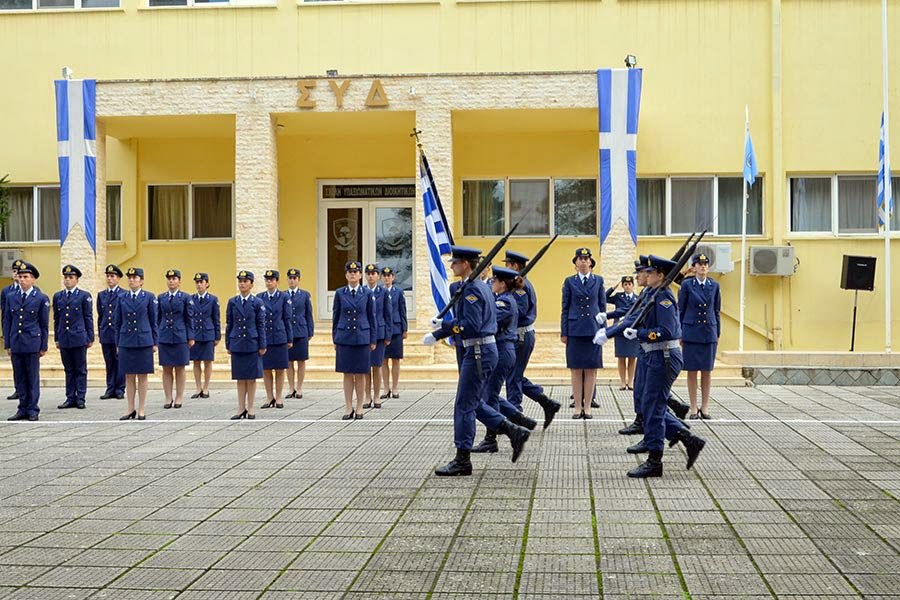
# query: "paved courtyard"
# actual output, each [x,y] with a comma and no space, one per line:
[796,496]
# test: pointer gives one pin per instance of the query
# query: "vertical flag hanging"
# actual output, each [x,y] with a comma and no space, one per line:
[437,235]
[885,198]
[77,151]
[619,105]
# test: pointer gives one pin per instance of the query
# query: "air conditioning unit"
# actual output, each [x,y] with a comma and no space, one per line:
[7,257]
[772,260]
[719,256]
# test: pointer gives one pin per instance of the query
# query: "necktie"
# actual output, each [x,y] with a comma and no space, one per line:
[134,295]
[243,301]
[353,293]
[24,295]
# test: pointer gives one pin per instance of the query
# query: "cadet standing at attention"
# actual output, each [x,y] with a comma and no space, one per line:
[353,330]
[107,306]
[245,341]
[384,323]
[27,324]
[279,338]
[303,326]
[393,353]
[207,329]
[8,291]
[135,324]
[176,336]
[700,302]
[73,321]
[626,350]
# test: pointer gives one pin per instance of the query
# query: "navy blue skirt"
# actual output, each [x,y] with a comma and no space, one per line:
[699,356]
[203,351]
[395,350]
[376,357]
[627,348]
[583,353]
[300,349]
[275,358]
[136,361]
[352,359]
[246,365]
[174,355]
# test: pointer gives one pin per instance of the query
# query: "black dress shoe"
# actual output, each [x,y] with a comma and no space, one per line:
[142,417]
[204,394]
[367,405]
[80,406]
[290,395]
[348,417]
[594,404]
[120,396]
[107,396]
[18,417]
[13,396]
[579,415]
[395,394]
[239,416]
[167,405]
[197,395]
[32,417]
[130,415]
[176,406]
[572,405]
[251,417]
[587,416]
[384,396]
[376,405]
[67,404]
[705,416]
[269,404]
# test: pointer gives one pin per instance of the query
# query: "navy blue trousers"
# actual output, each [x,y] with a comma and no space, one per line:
[657,378]
[517,384]
[27,369]
[115,378]
[505,361]
[74,362]
[470,394]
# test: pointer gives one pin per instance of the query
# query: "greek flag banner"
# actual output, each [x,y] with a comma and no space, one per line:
[437,235]
[885,198]
[77,150]
[619,104]
[751,169]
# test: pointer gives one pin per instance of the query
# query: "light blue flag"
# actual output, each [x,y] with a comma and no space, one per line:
[76,138]
[751,170]
[885,199]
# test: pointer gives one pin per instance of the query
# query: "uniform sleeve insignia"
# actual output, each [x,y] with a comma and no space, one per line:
[520,292]
[501,303]
[653,335]
[666,303]
[472,298]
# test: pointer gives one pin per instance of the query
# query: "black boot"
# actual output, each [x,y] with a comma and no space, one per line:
[679,408]
[551,407]
[461,465]
[693,444]
[638,448]
[517,437]
[636,427]
[522,421]
[651,468]
[488,444]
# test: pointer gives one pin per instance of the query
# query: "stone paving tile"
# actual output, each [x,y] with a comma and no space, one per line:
[157,579]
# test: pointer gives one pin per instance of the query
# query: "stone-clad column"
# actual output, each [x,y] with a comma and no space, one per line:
[255,194]
[616,259]
[437,142]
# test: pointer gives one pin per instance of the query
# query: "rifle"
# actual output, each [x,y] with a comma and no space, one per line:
[473,276]
[678,254]
[537,257]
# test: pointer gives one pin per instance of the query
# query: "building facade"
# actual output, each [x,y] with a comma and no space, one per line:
[277,134]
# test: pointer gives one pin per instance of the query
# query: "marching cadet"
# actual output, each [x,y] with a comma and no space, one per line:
[9,290]
[583,299]
[245,341]
[303,327]
[354,332]
[393,353]
[699,303]
[516,382]
[626,350]
[279,338]
[137,338]
[107,306]
[207,329]
[27,322]
[176,336]
[384,322]
[507,312]
[73,320]
[637,426]
[475,321]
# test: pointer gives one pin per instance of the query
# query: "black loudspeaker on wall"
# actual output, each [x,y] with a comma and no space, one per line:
[858,273]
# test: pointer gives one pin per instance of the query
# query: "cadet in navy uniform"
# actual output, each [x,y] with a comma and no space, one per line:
[384,323]
[73,320]
[107,305]
[700,302]
[475,321]
[176,336]
[393,353]
[626,350]
[245,341]
[137,338]
[279,338]
[303,326]
[353,330]
[637,426]
[516,382]
[206,325]
[507,311]
[11,289]
[583,299]
[27,322]
[457,340]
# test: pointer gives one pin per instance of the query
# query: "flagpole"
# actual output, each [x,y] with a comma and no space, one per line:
[887,163]
[743,237]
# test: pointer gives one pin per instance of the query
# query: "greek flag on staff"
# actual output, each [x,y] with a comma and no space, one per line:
[619,103]
[885,193]
[437,235]
[77,147]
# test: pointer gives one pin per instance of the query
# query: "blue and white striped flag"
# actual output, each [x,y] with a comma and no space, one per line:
[437,235]
[619,104]
[885,199]
[77,148]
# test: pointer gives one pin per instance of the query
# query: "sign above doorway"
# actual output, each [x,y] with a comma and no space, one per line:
[377,97]
[369,191]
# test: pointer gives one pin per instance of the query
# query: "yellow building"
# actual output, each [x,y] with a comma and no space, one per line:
[271,134]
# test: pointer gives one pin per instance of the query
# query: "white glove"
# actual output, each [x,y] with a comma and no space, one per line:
[600,317]
[429,339]
[600,337]
[435,322]
[630,333]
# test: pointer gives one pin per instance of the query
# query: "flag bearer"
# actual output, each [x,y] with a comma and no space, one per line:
[26,322]
[73,320]
[207,330]
[107,305]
